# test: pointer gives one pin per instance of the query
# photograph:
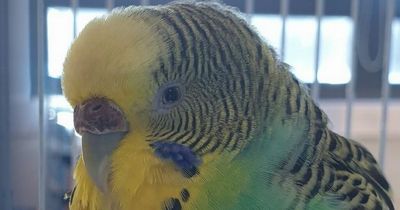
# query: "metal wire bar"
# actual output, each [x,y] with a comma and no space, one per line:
[249,9]
[110,5]
[350,91]
[319,13]
[74,7]
[390,10]
[144,2]
[42,124]
[284,13]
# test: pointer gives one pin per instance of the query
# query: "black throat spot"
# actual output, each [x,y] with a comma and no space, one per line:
[172,204]
[182,156]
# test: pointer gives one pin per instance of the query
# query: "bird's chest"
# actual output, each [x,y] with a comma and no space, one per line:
[159,187]
[154,198]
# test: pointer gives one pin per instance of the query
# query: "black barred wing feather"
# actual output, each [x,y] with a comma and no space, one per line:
[357,181]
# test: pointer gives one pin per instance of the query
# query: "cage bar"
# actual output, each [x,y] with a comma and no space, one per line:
[284,11]
[110,5]
[249,9]
[350,91]
[74,7]
[144,2]
[319,13]
[390,10]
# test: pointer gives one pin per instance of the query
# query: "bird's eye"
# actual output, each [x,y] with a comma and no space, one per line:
[171,95]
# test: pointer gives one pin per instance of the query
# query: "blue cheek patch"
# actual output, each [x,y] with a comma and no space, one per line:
[182,156]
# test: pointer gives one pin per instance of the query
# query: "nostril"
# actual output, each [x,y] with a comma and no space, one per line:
[99,116]
[97,107]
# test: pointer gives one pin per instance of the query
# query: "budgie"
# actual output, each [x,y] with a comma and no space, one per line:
[185,106]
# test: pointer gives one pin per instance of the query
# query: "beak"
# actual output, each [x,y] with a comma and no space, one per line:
[102,126]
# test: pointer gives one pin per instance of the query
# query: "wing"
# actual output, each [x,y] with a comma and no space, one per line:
[356,179]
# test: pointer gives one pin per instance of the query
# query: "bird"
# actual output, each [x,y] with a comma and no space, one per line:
[185,106]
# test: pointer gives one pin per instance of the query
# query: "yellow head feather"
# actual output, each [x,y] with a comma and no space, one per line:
[114,57]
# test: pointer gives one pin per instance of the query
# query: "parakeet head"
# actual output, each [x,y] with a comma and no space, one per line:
[164,90]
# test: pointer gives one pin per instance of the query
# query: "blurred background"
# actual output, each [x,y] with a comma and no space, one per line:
[347,51]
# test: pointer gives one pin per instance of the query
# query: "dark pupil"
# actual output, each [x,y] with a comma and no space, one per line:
[171,95]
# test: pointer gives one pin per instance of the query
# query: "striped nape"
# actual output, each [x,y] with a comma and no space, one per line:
[198,36]
[222,64]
